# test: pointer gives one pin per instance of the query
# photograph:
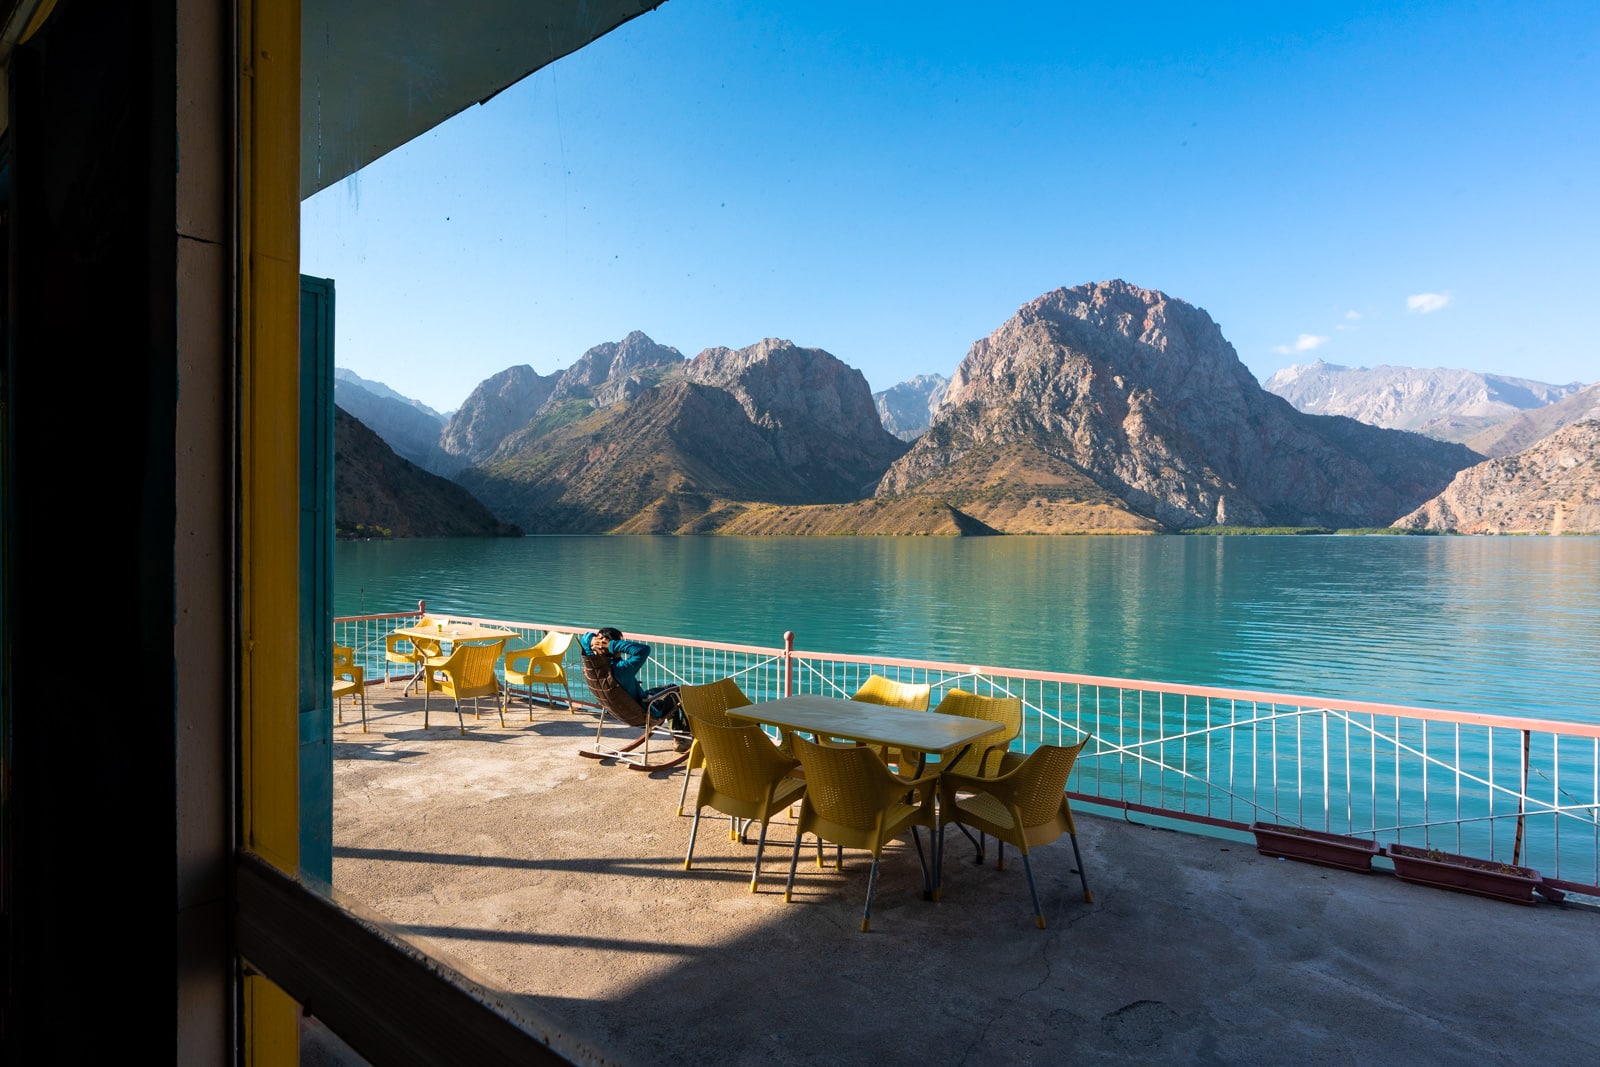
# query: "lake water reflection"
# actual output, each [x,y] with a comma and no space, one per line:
[1499,625]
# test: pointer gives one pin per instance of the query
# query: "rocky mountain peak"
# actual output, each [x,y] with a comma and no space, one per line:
[1127,333]
[1142,393]
[499,405]
[611,363]
[906,410]
[779,384]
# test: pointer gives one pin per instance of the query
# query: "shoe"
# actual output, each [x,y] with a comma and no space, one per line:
[682,744]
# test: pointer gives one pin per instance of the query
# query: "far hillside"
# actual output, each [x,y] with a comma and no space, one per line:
[1450,405]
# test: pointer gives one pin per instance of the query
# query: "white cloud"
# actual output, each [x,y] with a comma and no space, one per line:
[1304,343]
[1352,315]
[1426,303]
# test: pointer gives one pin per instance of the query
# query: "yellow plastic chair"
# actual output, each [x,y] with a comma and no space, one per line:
[709,703]
[349,680]
[540,664]
[880,690]
[410,652]
[467,672]
[983,757]
[1025,805]
[743,776]
[854,801]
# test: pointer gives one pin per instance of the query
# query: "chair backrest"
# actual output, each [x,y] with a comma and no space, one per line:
[471,667]
[608,692]
[1040,778]
[552,646]
[712,701]
[848,787]
[344,657]
[554,643]
[1007,711]
[741,760]
[880,690]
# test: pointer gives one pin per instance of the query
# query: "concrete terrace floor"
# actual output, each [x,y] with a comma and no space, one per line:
[559,881]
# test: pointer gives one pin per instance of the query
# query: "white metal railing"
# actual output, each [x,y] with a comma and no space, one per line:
[1522,791]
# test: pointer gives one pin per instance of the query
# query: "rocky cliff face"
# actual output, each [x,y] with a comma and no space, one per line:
[815,413]
[499,413]
[616,371]
[1451,405]
[773,423]
[497,407]
[1550,488]
[1142,394]
[906,410]
[374,489]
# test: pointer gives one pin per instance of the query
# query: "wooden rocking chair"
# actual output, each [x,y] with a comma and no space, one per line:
[616,702]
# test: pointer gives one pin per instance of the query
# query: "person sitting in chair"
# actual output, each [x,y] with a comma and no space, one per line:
[627,659]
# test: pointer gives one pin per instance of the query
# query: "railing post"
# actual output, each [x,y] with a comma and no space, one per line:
[788,662]
[1522,799]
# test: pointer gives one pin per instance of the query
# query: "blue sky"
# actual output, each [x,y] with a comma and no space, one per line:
[1366,183]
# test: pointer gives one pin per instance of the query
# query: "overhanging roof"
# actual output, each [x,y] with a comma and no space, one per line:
[378,73]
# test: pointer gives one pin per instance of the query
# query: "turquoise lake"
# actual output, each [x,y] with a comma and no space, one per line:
[1500,625]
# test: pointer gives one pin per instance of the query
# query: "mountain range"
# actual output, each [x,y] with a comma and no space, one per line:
[1452,405]
[378,493]
[1099,408]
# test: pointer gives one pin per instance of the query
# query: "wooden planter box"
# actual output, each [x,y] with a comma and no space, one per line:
[1314,846]
[1464,874]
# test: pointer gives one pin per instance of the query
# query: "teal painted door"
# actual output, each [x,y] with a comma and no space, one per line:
[316,577]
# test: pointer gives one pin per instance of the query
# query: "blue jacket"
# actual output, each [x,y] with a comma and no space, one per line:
[627,657]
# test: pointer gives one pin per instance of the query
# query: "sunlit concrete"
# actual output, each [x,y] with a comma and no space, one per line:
[559,881]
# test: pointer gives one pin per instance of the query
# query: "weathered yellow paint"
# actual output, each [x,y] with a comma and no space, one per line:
[271,1024]
[269,424]
[269,301]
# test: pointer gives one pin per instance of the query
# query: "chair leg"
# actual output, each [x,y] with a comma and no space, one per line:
[872,884]
[694,828]
[1082,877]
[461,720]
[364,716]
[761,843]
[922,861]
[794,860]
[938,864]
[683,798]
[1038,912]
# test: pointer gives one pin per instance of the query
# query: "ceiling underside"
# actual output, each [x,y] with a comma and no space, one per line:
[378,73]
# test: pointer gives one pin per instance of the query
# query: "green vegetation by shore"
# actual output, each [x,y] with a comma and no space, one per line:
[1255,530]
[1280,531]
[355,531]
